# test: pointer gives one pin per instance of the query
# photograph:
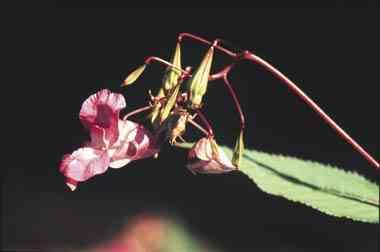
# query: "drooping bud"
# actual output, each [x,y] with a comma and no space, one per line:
[204,159]
[197,84]
[238,150]
[132,77]
[172,74]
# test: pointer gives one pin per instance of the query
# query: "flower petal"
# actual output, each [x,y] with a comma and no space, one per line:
[134,142]
[201,150]
[202,160]
[100,114]
[83,164]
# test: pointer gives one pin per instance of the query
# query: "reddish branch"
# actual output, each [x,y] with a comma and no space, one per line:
[247,55]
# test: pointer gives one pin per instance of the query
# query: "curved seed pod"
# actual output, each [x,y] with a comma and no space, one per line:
[197,84]
[132,77]
[238,150]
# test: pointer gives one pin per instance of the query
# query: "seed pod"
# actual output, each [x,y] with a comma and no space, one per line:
[165,111]
[197,84]
[172,75]
[238,150]
[132,77]
[169,81]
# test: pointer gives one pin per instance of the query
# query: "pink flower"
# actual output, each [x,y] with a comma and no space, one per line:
[100,115]
[114,142]
[202,158]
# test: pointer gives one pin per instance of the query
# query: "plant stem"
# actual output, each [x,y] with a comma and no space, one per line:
[153,58]
[247,55]
[210,132]
[236,101]
[196,125]
[139,110]
[295,89]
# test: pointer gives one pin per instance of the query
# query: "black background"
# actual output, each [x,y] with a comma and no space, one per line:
[63,56]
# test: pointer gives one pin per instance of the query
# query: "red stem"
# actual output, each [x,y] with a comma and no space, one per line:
[292,86]
[236,100]
[139,110]
[295,89]
[199,127]
[153,58]
[184,34]
[205,121]
[223,74]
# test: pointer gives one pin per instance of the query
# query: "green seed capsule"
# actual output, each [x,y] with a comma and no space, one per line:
[197,84]
[170,89]
[172,75]
[165,111]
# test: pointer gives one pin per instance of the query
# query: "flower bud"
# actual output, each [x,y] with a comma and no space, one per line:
[204,158]
[238,150]
[132,77]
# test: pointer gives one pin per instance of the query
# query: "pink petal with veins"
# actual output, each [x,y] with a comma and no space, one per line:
[100,114]
[83,164]
[134,142]
[202,160]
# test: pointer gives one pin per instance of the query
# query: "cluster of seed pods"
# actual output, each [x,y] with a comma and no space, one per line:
[116,141]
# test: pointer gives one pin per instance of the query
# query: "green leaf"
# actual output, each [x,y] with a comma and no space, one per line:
[323,187]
